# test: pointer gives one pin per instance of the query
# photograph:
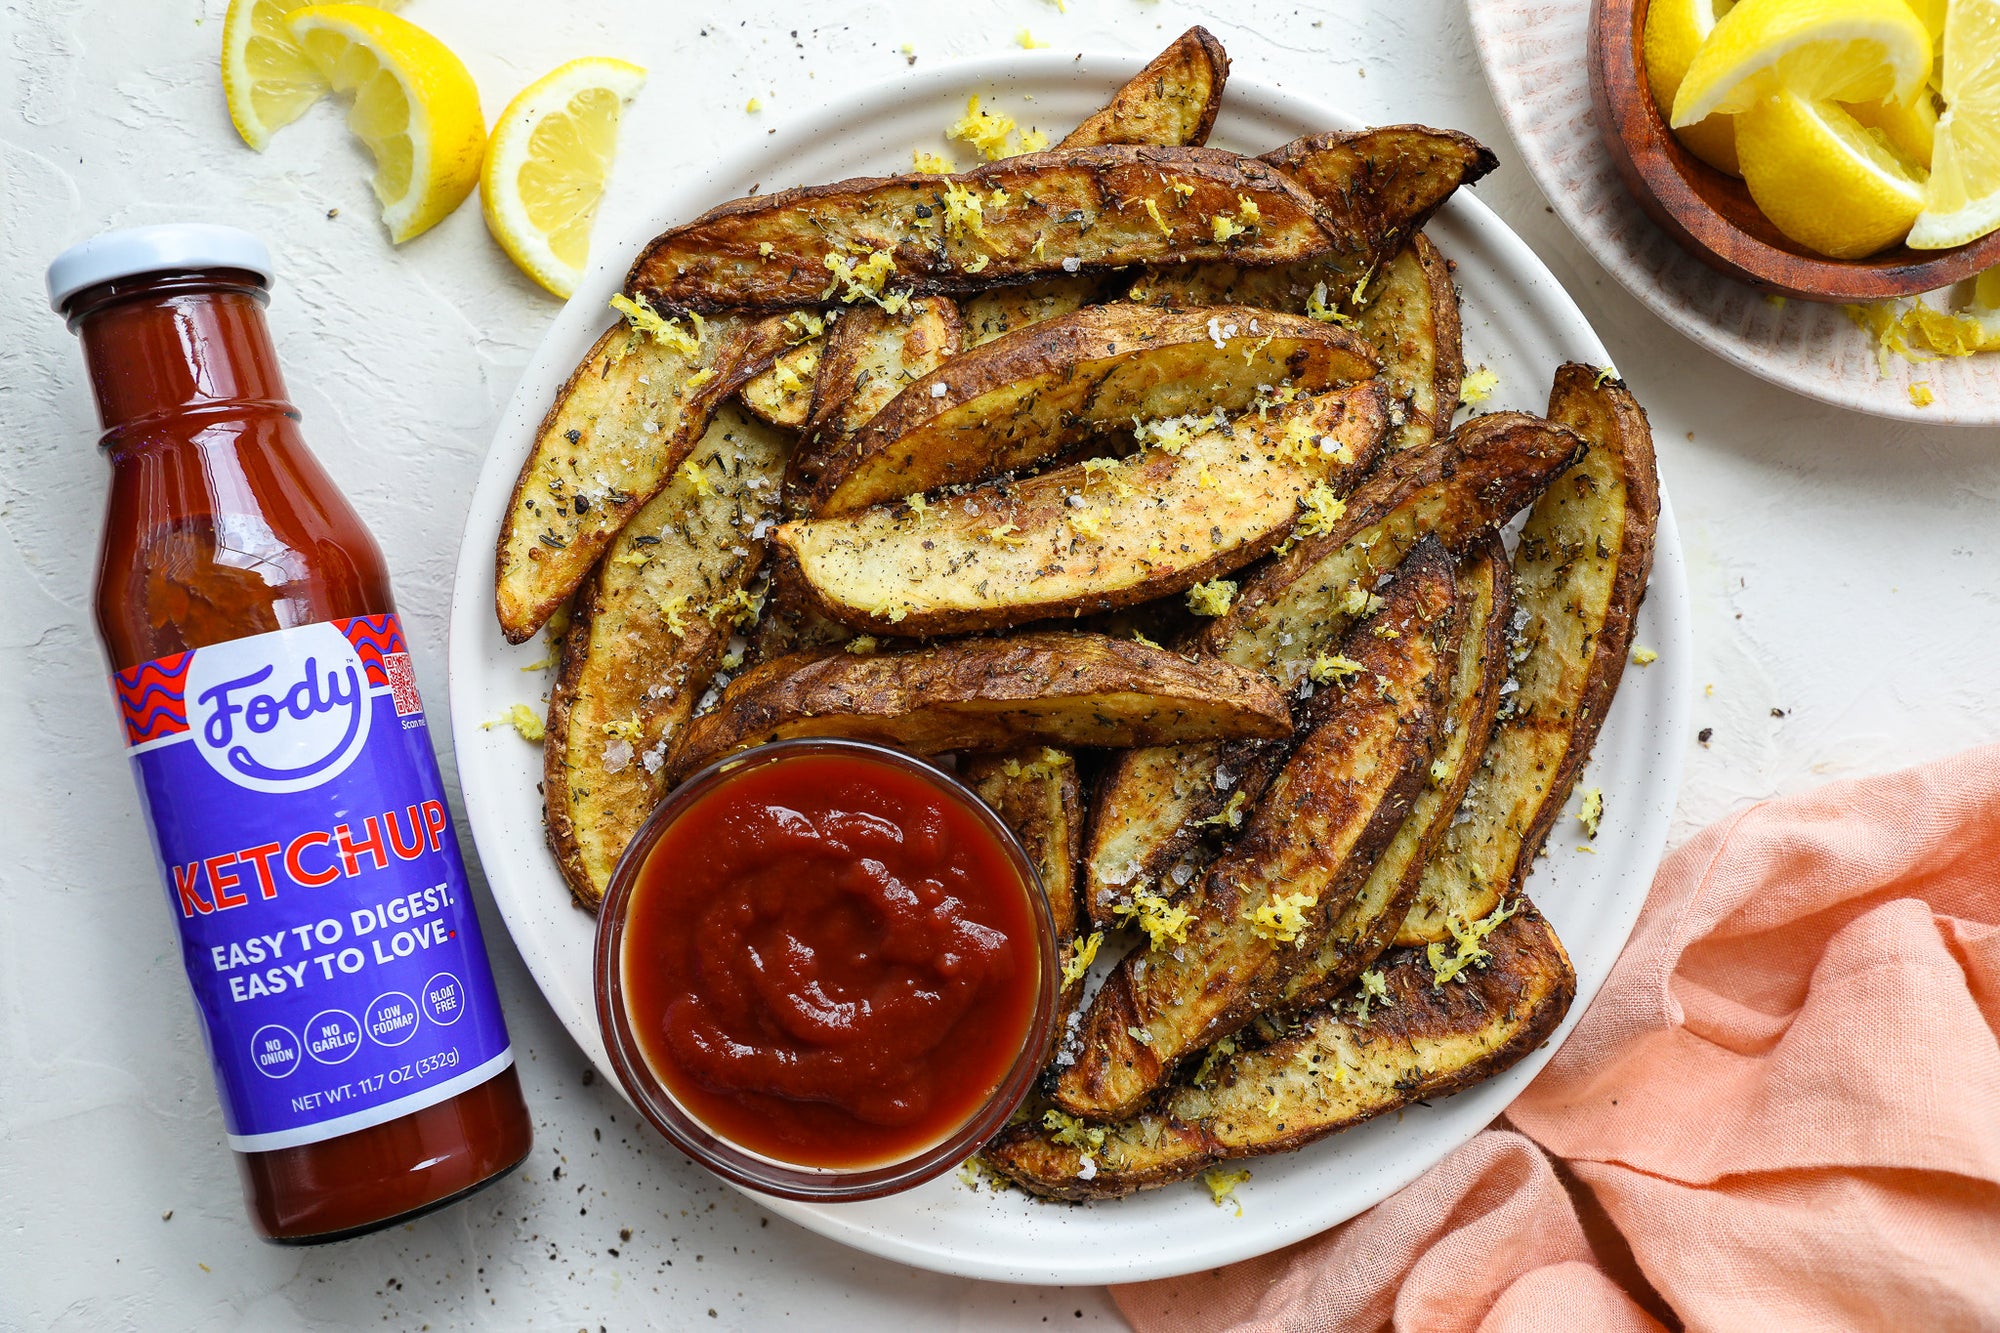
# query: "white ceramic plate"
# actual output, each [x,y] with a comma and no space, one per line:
[1518,321]
[1534,55]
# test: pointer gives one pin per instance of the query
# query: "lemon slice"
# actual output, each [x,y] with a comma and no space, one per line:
[1824,179]
[547,162]
[1675,30]
[415,106]
[1964,199]
[267,80]
[1821,50]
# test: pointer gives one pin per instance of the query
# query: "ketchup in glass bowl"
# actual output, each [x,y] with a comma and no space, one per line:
[826,970]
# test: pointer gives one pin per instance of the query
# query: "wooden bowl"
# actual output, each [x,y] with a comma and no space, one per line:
[1712,214]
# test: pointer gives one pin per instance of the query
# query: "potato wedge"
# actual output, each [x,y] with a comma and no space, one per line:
[649,627]
[871,357]
[1036,215]
[1579,572]
[1370,922]
[1150,803]
[1076,539]
[1411,319]
[1341,1066]
[999,310]
[1378,188]
[626,418]
[1042,390]
[782,395]
[1035,792]
[1171,101]
[1262,910]
[987,694]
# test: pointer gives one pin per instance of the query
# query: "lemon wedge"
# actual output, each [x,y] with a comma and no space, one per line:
[1820,50]
[1675,30]
[1964,199]
[415,106]
[266,78]
[547,163]
[1824,179]
[1911,126]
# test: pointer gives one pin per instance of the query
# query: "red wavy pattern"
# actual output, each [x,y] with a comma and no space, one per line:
[374,638]
[152,698]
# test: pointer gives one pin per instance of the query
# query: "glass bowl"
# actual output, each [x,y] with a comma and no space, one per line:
[755,1170]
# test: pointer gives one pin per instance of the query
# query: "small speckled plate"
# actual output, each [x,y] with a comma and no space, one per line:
[1518,322]
[1534,55]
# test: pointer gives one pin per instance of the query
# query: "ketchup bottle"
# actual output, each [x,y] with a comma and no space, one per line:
[282,754]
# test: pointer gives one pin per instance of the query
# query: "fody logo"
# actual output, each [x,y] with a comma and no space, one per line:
[279,712]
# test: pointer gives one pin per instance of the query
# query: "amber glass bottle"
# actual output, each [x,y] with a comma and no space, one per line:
[281,752]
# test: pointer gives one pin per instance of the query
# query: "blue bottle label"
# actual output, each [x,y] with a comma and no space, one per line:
[310,864]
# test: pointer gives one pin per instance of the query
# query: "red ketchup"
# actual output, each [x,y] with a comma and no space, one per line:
[283,759]
[830,962]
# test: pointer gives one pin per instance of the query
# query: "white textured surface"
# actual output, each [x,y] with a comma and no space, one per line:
[1532,52]
[1843,569]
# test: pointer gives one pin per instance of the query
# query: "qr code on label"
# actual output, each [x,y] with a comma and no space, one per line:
[402,683]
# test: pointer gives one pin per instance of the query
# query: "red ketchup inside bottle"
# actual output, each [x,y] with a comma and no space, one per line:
[281,750]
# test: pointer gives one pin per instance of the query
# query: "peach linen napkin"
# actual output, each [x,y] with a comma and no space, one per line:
[1782,1111]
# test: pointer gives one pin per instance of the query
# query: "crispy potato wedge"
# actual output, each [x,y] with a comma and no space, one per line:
[1036,793]
[1339,1067]
[1036,215]
[624,421]
[1171,101]
[1075,539]
[1262,910]
[871,357]
[1150,803]
[1042,390]
[631,671]
[782,395]
[1579,572]
[1412,319]
[999,310]
[1378,188]
[987,694]
[1370,922]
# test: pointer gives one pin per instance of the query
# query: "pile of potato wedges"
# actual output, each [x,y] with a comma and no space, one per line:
[1124,472]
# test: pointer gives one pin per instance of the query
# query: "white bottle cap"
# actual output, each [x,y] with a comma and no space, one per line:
[171,246]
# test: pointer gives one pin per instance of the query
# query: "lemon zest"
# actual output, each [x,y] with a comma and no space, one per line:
[522,719]
[1211,598]
[1323,310]
[1222,1186]
[1320,509]
[643,318]
[1071,1132]
[985,131]
[1139,638]
[1082,953]
[1326,668]
[1644,656]
[1590,812]
[697,479]
[1230,815]
[1284,917]
[1215,1055]
[1163,923]
[931,164]
[1447,965]
[625,729]
[1478,387]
